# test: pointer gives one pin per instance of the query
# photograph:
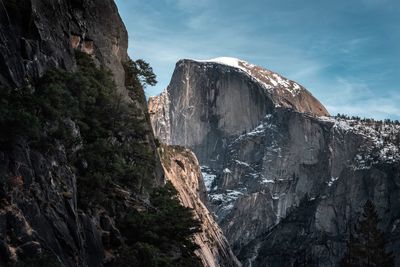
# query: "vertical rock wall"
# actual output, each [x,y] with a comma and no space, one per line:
[182,169]
[268,151]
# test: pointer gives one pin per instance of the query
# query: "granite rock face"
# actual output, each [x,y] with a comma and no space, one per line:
[36,35]
[39,206]
[38,190]
[182,169]
[207,103]
[39,211]
[283,177]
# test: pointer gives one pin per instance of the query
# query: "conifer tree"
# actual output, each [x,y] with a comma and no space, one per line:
[366,245]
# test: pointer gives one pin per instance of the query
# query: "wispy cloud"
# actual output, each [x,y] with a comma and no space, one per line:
[358,99]
[344,52]
[378,107]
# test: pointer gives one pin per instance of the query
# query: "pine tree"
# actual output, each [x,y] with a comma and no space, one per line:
[366,245]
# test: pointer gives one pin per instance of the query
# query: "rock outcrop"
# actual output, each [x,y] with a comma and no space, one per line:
[284,179]
[42,218]
[38,35]
[208,102]
[182,169]
[39,213]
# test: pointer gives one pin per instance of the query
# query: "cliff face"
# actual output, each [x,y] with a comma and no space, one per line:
[38,35]
[305,179]
[207,103]
[182,169]
[284,179]
[39,212]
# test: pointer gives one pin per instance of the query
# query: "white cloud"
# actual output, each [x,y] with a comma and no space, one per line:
[356,98]
[379,108]
[200,31]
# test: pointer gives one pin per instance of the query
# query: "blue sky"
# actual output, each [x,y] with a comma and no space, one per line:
[346,52]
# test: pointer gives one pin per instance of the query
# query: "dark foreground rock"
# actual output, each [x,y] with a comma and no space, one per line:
[39,215]
[38,35]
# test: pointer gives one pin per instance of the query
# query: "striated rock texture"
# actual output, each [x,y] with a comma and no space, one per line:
[36,35]
[284,179]
[182,169]
[38,189]
[207,102]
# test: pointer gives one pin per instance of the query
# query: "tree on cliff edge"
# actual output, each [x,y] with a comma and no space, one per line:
[366,245]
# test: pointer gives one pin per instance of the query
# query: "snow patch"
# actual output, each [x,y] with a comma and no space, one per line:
[332,180]
[208,177]
[265,78]
[267,181]
[226,199]
[282,82]
[259,130]
[226,170]
[380,139]
[229,61]
[242,163]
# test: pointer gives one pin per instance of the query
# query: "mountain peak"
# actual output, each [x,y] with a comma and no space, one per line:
[272,162]
[229,61]
[282,91]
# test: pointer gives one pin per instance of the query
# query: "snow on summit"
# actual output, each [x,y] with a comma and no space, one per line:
[230,61]
[267,78]
[283,92]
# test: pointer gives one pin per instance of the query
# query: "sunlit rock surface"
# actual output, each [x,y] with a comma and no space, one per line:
[182,169]
[265,146]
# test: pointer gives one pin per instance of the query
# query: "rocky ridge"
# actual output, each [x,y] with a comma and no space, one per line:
[182,169]
[264,160]
[254,97]
[282,91]
[41,216]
